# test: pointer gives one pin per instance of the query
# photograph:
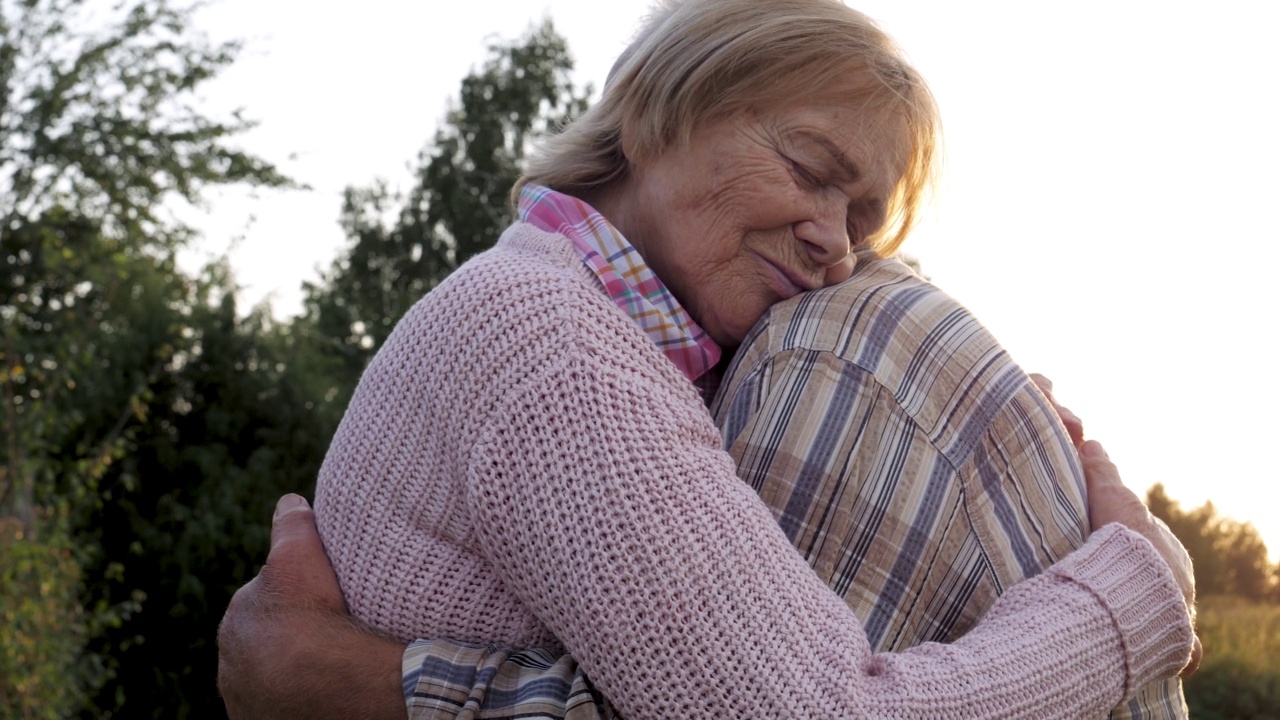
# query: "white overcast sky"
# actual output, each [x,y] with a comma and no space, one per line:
[1107,206]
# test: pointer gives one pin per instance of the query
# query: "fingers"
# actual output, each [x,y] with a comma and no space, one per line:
[295,592]
[1095,458]
[1197,653]
[841,271]
[293,527]
[1044,383]
[1073,423]
[1109,500]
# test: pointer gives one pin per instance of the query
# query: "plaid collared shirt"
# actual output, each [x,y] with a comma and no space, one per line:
[905,454]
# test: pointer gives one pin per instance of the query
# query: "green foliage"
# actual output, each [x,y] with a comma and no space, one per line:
[165,425]
[97,114]
[99,128]
[1239,678]
[148,424]
[76,373]
[1230,557]
[1238,620]
[233,425]
[522,90]
[401,246]
[39,590]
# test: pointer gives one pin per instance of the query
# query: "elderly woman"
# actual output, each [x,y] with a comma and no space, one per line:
[529,462]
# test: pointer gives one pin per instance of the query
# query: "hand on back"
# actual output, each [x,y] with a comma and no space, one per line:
[1111,501]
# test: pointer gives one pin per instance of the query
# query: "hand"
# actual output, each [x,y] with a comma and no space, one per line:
[287,646]
[1110,501]
[1075,427]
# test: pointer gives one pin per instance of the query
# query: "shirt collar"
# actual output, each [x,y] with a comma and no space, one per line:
[626,277]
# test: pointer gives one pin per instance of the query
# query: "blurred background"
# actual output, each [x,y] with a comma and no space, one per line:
[211,217]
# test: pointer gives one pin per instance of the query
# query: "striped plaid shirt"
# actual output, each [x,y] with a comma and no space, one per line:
[905,454]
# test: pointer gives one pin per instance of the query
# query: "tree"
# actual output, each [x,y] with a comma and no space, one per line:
[232,426]
[99,130]
[78,374]
[149,424]
[98,126]
[103,123]
[1230,557]
[457,207]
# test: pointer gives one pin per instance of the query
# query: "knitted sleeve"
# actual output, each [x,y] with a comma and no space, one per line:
[603,500]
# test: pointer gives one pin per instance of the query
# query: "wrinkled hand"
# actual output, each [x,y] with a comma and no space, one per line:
[1110,501]
[287,646]
[1075,427]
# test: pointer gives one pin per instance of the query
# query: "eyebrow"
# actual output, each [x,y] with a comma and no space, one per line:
[846,165]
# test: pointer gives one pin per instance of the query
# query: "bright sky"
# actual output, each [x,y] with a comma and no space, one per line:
[1112,170]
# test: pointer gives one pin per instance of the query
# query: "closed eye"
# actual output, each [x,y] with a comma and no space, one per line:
[804,176]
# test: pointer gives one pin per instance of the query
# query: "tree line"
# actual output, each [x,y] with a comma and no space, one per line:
[149,420]
[1229,556]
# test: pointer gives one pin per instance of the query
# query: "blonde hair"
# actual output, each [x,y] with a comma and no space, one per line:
[697,61]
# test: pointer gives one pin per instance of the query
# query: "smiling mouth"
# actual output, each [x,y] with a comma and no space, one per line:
[787,283]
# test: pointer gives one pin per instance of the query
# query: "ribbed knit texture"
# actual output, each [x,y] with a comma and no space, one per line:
[520,464]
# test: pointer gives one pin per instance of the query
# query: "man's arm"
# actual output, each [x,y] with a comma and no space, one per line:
[277,644]
[287,648]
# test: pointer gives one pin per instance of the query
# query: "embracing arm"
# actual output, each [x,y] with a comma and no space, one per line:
[612,513]
[1109,601]
[287,648]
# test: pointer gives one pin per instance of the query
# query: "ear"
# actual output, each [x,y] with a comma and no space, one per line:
[630,143]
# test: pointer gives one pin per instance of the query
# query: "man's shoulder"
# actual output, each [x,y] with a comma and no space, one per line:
[883,318]
[885,282]
[888,327]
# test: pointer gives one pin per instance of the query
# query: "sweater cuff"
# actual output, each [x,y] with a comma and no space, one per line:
[1126,574]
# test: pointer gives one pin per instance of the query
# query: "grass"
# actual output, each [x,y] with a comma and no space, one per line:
[1239,678]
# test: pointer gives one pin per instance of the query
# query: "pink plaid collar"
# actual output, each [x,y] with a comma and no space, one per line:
[626,277]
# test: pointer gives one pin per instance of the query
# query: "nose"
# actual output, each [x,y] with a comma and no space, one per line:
[825,235]
[841,271]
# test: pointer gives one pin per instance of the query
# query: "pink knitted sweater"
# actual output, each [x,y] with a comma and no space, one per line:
[521,466]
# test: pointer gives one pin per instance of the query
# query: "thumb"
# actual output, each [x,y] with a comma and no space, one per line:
[293,523]
[297,567]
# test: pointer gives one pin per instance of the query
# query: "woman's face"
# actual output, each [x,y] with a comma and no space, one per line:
[762,207]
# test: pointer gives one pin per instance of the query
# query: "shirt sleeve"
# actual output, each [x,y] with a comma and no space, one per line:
[444,680]
[606,505]
[1161,699]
